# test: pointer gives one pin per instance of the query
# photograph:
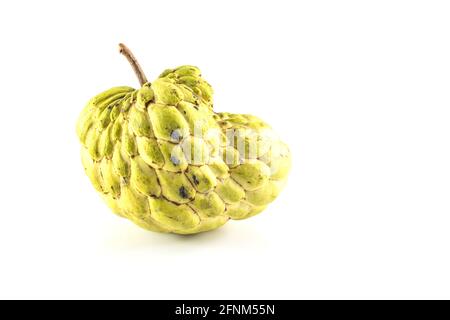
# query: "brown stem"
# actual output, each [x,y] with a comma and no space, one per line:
[123,49]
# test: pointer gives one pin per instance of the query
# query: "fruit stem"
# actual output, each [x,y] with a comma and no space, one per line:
[123,49]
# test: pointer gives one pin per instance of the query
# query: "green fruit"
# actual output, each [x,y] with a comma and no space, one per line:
[161,157]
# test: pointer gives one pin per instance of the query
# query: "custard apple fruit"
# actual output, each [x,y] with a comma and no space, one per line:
[163,158]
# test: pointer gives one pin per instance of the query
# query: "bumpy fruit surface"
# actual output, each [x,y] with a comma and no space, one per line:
[161,157]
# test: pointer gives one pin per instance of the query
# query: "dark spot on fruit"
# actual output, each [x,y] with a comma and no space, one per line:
[175,134]
[183,193]
[194,177]
[175,160]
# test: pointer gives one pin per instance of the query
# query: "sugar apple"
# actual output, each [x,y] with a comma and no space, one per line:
[161,157]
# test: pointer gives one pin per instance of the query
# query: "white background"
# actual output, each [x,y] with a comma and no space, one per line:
[360,90]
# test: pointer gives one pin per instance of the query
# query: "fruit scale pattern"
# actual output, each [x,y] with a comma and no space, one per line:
[161,157]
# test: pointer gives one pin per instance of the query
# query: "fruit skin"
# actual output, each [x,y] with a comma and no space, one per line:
[161,157]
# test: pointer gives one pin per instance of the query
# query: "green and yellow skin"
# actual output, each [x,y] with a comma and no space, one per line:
[161,157]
